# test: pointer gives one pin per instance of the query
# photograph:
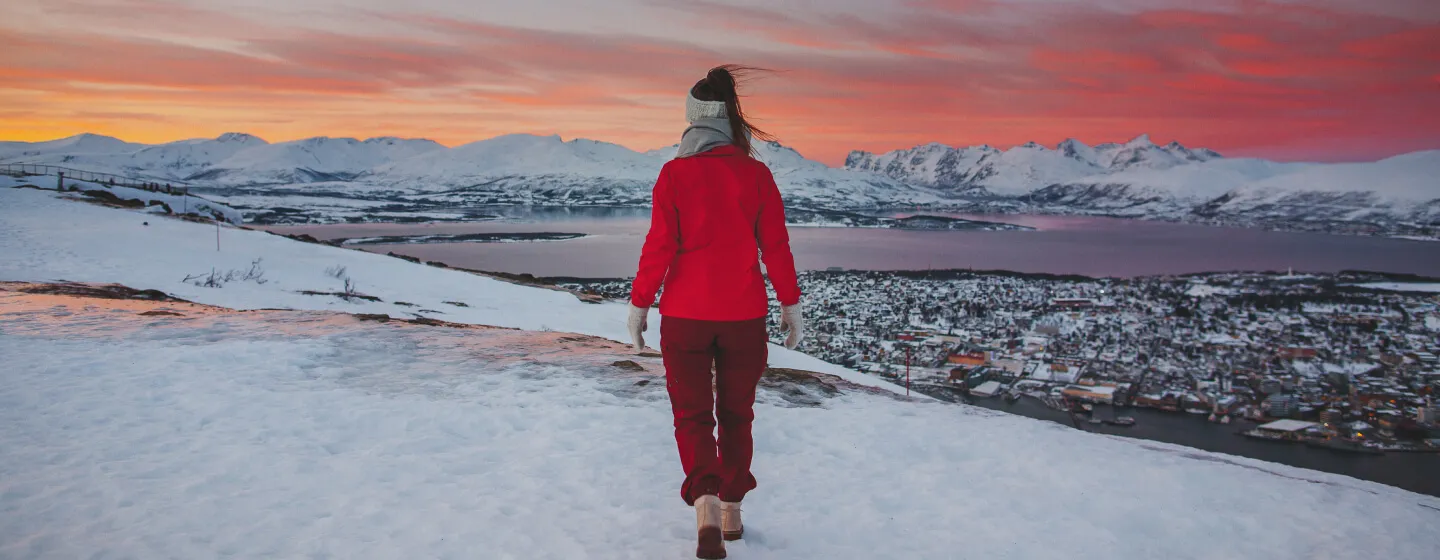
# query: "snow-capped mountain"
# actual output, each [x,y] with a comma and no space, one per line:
[1405,187]
[1135,179]
[55,152]
[512,169]
[1145,180]
[517,156]
[1167,191]
[823,186]
[979,170]
[1401,188]
[312,160]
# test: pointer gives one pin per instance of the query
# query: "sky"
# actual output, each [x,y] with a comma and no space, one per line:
[1318,80]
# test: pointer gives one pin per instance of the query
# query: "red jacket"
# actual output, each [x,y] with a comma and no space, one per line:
[714,213]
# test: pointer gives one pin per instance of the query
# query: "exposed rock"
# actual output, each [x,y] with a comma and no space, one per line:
[628,365]
[101,291]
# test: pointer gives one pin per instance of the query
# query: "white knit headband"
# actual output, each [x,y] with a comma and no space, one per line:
[696,109]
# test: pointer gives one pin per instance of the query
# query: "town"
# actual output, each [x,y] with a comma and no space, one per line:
[1343,361]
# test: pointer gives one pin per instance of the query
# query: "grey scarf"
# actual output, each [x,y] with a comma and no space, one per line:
[704,135]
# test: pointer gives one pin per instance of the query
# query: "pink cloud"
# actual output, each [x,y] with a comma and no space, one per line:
[1265,77]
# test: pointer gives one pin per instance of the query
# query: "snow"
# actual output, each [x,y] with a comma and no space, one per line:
[97,244]
[1197,181]
[1140,178]
[521,154]
[1027,167]
[179,204]
[308,433]
[1351,368]
[78,144]
[299,434]
[1206,290]
[986,389]
[1408,177]
[316,157]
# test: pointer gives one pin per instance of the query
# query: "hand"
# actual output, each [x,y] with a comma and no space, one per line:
[792,320]
[639,322]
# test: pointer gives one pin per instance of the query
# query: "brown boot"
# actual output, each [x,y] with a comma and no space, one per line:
[730,524]
[711,544]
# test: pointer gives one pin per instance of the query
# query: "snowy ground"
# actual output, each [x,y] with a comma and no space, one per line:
[45,239]
[181,204]
[204,433]
[287,434]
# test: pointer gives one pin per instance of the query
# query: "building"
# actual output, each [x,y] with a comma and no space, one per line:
[971,359]
[1072,303]
[1285,429]
[1096,393]
[1429,414]
[1281,405]
[1359,429]
[986,389]
[1293,353]
[1055,373]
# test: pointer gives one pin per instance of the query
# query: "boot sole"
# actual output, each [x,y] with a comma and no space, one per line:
[734,535]
[711,544]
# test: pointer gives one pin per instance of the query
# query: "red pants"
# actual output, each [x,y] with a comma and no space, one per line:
[738,350]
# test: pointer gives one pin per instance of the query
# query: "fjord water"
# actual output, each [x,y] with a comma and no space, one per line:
[1060,245]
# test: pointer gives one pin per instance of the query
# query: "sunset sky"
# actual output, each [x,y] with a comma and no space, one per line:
[1323,80]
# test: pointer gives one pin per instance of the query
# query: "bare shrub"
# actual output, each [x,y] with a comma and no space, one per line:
[218,279]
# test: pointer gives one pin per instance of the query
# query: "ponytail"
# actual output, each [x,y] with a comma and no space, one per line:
[720,85]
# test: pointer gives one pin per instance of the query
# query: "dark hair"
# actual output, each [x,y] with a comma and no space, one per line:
[720,85]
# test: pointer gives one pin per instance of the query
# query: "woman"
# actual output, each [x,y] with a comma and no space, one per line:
[715,208]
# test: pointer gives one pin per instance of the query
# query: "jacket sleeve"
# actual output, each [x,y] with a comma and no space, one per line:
[775,242]
[661,244]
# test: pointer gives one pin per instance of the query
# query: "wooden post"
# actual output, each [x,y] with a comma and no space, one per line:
[60,183]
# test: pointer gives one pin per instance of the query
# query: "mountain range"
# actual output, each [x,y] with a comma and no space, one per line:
[1135,179]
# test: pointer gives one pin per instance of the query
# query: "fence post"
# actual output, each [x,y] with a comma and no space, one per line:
[60,181]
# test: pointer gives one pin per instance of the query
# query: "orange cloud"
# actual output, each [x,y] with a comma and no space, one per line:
[1262,76]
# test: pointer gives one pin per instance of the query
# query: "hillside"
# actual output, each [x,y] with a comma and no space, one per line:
[311,426]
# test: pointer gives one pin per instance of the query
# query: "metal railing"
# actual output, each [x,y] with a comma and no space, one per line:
[110,179]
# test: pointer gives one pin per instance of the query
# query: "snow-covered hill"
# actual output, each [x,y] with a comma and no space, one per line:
[1403,188]
[1143,180]
[159,429]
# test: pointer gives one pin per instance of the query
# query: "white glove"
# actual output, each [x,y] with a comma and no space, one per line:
[792,320]
[638,323]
